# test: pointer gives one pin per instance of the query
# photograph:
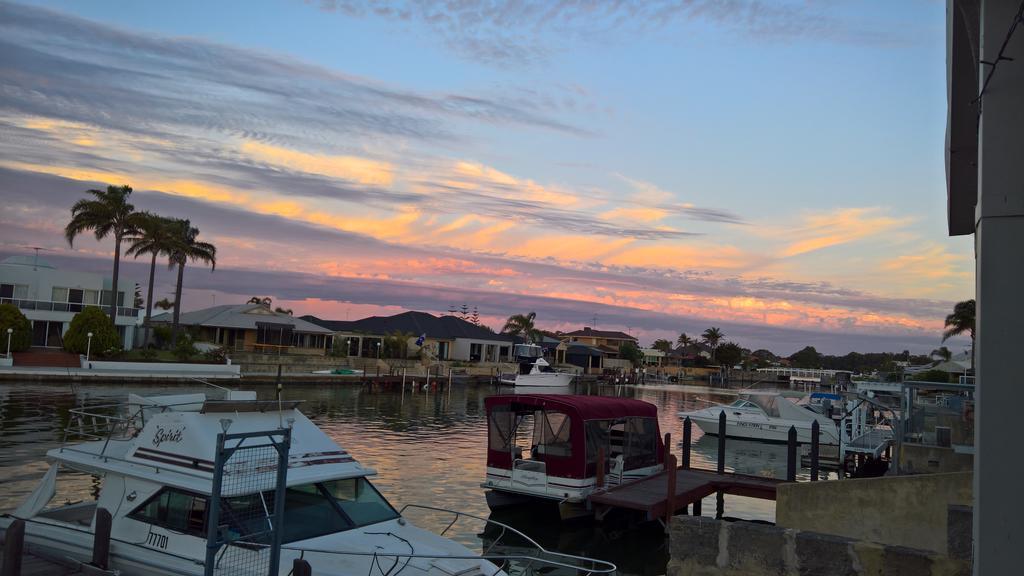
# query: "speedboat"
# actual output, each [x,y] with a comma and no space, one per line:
[157,461]
[561,448]
[766,417]
[534,370]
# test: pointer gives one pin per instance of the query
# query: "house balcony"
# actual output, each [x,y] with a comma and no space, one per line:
[72,307]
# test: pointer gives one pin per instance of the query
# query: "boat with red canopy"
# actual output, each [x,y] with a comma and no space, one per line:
[551,446]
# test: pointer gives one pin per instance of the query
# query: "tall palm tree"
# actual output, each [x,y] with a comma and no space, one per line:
[154,238]
[107,213]
[522,325]
[187,247]
[960,321]
[942,352]
[684,340]
[712,336]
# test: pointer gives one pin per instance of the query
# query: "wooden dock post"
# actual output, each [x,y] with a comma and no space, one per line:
[815,429]
[668,449]
[14,545]
[687,437]
[301,568]
[600,468]
[791,455]
[101,539]
[719,495]
[670,502]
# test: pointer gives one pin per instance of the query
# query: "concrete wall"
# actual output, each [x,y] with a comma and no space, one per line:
[926,459]
[163,367]
[702,546]
[900,510]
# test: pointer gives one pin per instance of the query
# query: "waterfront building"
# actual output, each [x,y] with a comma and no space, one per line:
[50,298]
[444,337]
[253,328]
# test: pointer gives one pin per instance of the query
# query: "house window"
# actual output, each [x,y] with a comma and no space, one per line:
[175,510]
[442,350]
[503,353]
[16,291]
[105,298]
[91,297]
[58,294]
[475,352]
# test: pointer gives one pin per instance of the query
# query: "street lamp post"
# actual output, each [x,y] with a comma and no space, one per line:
[9,332]
[88,346]
[348,348]
[378,350]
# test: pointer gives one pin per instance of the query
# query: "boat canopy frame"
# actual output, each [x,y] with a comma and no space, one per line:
[569,431]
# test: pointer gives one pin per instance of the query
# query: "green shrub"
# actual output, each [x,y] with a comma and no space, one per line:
[105,340]
[185,350]
[21,337]
[162,335]
[148,354]
[932,376]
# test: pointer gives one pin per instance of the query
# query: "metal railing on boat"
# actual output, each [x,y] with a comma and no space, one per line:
[541,561]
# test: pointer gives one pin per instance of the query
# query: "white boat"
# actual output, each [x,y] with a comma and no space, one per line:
[156,464]
[766,417]
[534,370]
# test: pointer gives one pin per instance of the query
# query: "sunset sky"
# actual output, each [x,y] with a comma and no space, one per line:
[772,168]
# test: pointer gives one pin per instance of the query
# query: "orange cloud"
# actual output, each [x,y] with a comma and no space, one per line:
[352,168]
[838,227]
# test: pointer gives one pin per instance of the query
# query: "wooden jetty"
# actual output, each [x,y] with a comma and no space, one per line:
[661,496]
[652,496]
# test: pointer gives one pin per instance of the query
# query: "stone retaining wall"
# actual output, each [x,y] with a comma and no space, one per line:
[702,546]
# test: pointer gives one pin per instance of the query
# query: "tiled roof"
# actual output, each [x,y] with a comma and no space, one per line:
[591,333]
[435,327]
[243,316]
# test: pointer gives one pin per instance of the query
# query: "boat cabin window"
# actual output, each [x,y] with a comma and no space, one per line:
[551,435]
[175,510]
[310,510]
[766,403]
[500,428]
[634,438]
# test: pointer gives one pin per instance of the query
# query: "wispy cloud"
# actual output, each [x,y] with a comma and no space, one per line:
[502,33]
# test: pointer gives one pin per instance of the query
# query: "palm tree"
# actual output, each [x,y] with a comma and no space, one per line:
[107,213]
[265,301]
[186,247]
[684,340]
[154,238]
[942,352]
[960,321]
[712,336]
[287,311]
[522,325]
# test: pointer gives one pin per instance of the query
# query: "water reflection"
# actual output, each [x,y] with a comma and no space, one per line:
[429,447]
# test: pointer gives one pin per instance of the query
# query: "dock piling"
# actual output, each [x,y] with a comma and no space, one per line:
[668,448]
[101,540]
[14,544]
[791,455]
[600,468]
[719,495]
[687,436]
[815,429]
[670,502]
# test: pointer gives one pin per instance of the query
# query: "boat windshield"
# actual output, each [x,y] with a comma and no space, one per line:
[310,510]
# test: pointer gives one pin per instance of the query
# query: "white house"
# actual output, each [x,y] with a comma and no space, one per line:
[50,298]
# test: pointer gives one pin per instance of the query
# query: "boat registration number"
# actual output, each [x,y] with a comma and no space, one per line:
[157,540]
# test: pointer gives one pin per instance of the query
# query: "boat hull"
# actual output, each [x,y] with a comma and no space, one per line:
[764,430]
[543,379]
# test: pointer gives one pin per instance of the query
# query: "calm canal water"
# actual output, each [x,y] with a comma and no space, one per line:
[428,448]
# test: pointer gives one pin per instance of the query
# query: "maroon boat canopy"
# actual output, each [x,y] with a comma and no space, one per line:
[585,407]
